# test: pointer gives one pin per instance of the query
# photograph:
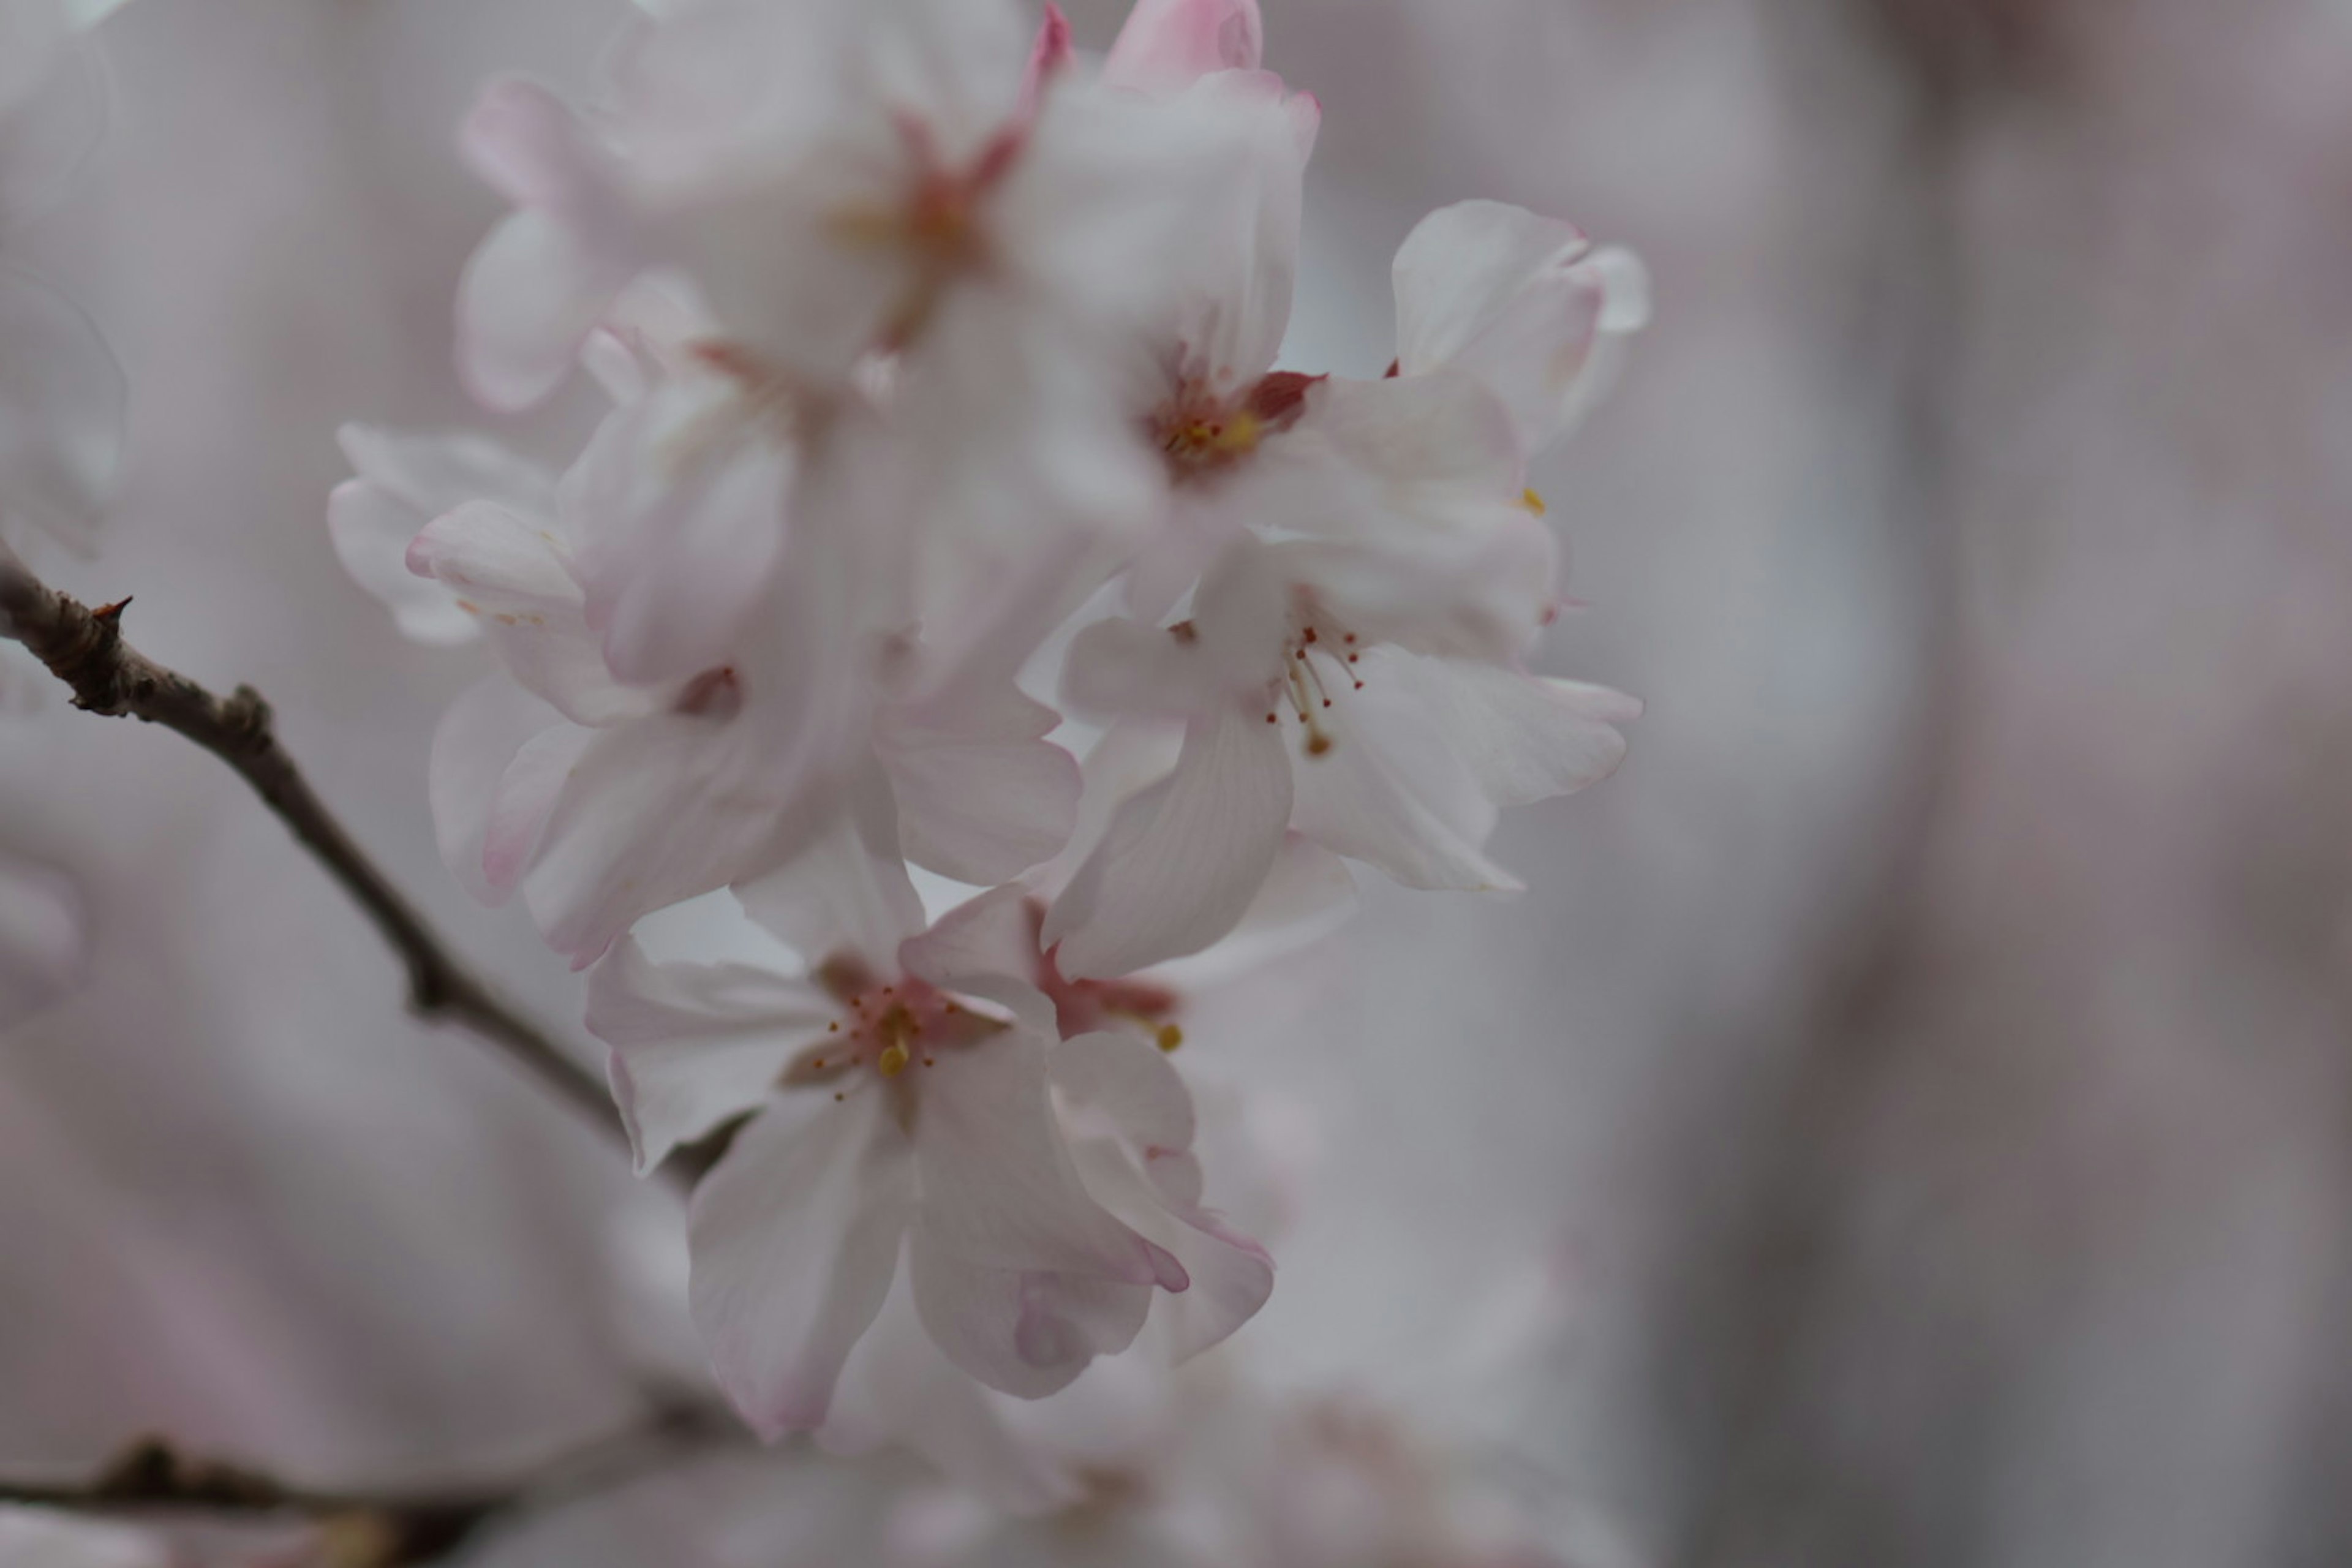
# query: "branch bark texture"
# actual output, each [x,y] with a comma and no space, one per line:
[84,647]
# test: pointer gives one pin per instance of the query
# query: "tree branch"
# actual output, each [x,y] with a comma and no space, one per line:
[387,1529]
[84,648]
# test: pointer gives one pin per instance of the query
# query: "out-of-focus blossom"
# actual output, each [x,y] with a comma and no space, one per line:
[32,1538]
[61,412]
[602,798]
[911,1095]
[404,482]
[43,938]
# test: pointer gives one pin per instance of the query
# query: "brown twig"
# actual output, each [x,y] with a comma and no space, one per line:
[385,1529]
[84,648]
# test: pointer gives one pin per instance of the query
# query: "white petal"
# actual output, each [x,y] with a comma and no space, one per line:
[983,795]
[1181,862]
[474,744]
[1169,44]
[1131,1082]
[1307,895]
[1388,792]
[998,1189]
[1525,738]
[987,947]
[1520,301]
[372,530]
[1232,1276]
[526,303]
[847,893]
[655,811]
[510,570]
[900,1388]
[404,482]
[1026,1333]
[680,503]
[794,1237]
[694,1044]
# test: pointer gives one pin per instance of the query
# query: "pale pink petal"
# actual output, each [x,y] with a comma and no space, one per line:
[986,947]
[1427,440]
[1168,44]
[680,503]
[1307,895]
[527,145]
[1387,792]
[526,303]
[847,893]
[432,474]
[1519,301]
[43,939]
[694,1044]
[372,530]
[794,1237]
[1525,738]
[1131,1083]
[1232,316]
[475,743]
[983,795]
[654,812]
[999,1190]
[1048,58]
[1026,1333]
[1182,861]
[404,482]
[898,1388]
[1232,1276]
[526,797]
[510,572]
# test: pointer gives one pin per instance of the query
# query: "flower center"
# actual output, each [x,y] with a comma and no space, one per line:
[1304,684]
[1200,433]
[935,224]
[884,1027]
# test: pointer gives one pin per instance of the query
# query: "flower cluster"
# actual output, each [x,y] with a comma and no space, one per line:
[937,354]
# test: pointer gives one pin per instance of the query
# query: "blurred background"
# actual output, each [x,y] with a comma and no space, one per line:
[1924,1068]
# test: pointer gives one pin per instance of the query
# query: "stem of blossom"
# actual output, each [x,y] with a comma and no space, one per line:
[383,1529]
[84,648]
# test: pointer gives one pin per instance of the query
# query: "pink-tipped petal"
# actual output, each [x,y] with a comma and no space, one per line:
[1167,45]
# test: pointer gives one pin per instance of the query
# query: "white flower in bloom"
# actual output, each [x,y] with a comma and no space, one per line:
[1349,694]
[1350,669]
[912,1097]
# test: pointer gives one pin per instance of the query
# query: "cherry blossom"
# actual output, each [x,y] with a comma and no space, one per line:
[32,1538]
[910,1096]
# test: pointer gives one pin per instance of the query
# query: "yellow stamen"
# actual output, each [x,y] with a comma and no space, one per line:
[1532,501]
[892,1061]
[1170,1037]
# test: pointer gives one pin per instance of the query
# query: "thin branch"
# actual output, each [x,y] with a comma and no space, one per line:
[390,1526]
[84,648]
